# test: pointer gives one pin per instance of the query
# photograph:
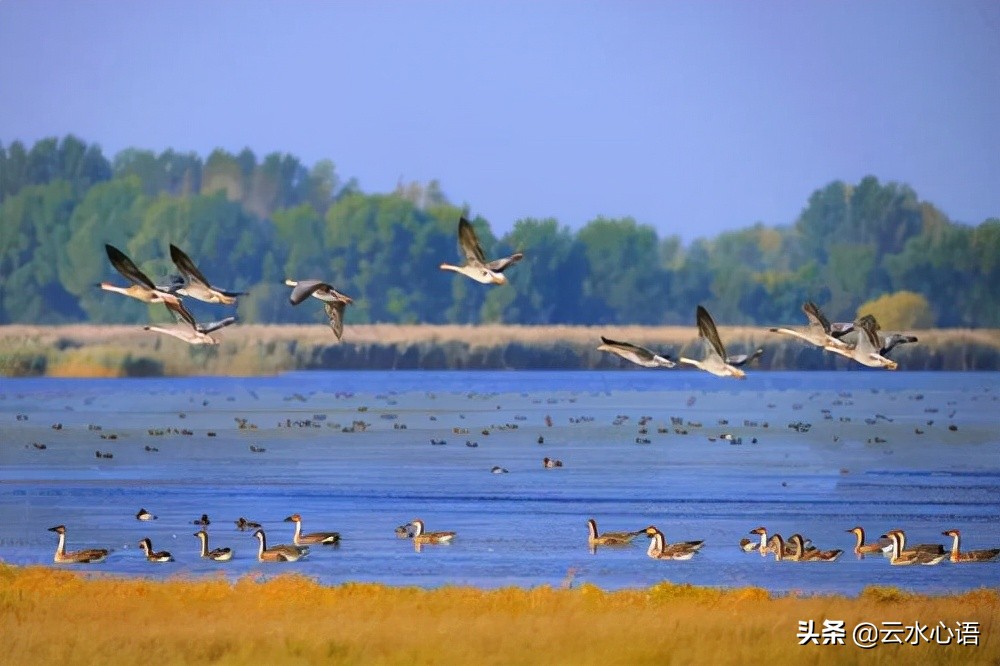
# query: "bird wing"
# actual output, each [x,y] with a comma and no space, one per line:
[335,311]
[469,242]
[127,268]
[186,266]
[642,352]
[867,336]
[841,328]
[500,265]
[707,330]
[214,325]
[181,313]
[304,289]
[816,317]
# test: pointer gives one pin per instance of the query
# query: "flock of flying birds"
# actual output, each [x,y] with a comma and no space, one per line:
[870,347]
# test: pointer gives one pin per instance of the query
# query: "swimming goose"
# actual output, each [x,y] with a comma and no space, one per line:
[300,539]
[549,463]
[476,266]
[142,514]
[142,288]
[203,521]
[715,353]
[887,343]
[900,557]
[635,354]
[333,301]
[608,538]
[958,556]
[217,554]
[866,350]
[419,536]
[659,549]
[75,556]
[765,546]
[818,332]
[281,553]
[196,286]
[814,555]
[862,548]
[155,555]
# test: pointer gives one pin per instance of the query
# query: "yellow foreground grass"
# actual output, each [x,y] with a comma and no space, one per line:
[57,616]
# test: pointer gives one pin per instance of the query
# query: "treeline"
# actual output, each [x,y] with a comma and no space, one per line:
[250,222]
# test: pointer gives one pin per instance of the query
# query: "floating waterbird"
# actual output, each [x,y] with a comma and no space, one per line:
[75,556]
[300,539]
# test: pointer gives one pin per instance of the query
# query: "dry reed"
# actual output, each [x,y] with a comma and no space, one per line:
[52,615]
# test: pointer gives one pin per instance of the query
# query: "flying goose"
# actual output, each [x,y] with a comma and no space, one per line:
[300,539]
[739,360]
[196,286]
[866,350]
[199,335]
[217,554]
[142,288]
[715,353]
[817,333]
[635,354]
[476,266]
[333,300]
[887,343]
[75,556]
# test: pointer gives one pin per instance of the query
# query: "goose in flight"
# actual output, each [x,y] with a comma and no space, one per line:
[866,350]
[818,333]
[715,352]
[739,360]
[142,288]
[198,335]
[476,266]
[635,354]
[195,284]
[887,343]
[333,300]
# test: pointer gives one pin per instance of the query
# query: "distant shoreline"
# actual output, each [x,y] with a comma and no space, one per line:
[247,350]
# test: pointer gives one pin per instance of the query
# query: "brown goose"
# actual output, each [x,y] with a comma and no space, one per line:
[659,549]
[815,555]
[277,553]
[958,556]
[196,285]
[154,555]
[476,266]
[333,301]
[217,554]
[75,556]
[608,538]
[419,536]
[300,539]
[142,288]
[862,548]
[715,353]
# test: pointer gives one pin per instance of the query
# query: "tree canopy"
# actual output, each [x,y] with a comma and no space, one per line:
[249,222]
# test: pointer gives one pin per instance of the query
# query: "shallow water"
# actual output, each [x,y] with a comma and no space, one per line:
[526,527]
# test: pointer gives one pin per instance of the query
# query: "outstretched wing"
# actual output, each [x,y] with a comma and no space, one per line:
[469,242]
[867,335]
[335,311]
[816,317]
[181,313]
[707,330]
[186,266]
[127,268]
[500,265]
[304,289]
[214,325]
[641,352]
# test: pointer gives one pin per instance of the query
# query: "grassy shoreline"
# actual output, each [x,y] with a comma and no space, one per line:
[55,615]
[128,351]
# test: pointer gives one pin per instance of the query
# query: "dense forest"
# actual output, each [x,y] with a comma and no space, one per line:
[249,223]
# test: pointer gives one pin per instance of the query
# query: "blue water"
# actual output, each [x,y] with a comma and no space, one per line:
[523,528]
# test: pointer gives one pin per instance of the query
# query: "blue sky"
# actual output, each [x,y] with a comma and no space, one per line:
[692,117]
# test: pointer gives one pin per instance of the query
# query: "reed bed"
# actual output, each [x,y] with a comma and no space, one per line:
[119,351]
[57,616]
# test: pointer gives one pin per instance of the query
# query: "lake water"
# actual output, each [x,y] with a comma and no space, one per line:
[862,462]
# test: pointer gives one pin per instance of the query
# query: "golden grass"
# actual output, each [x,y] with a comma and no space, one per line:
[57,616]
[109,351]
